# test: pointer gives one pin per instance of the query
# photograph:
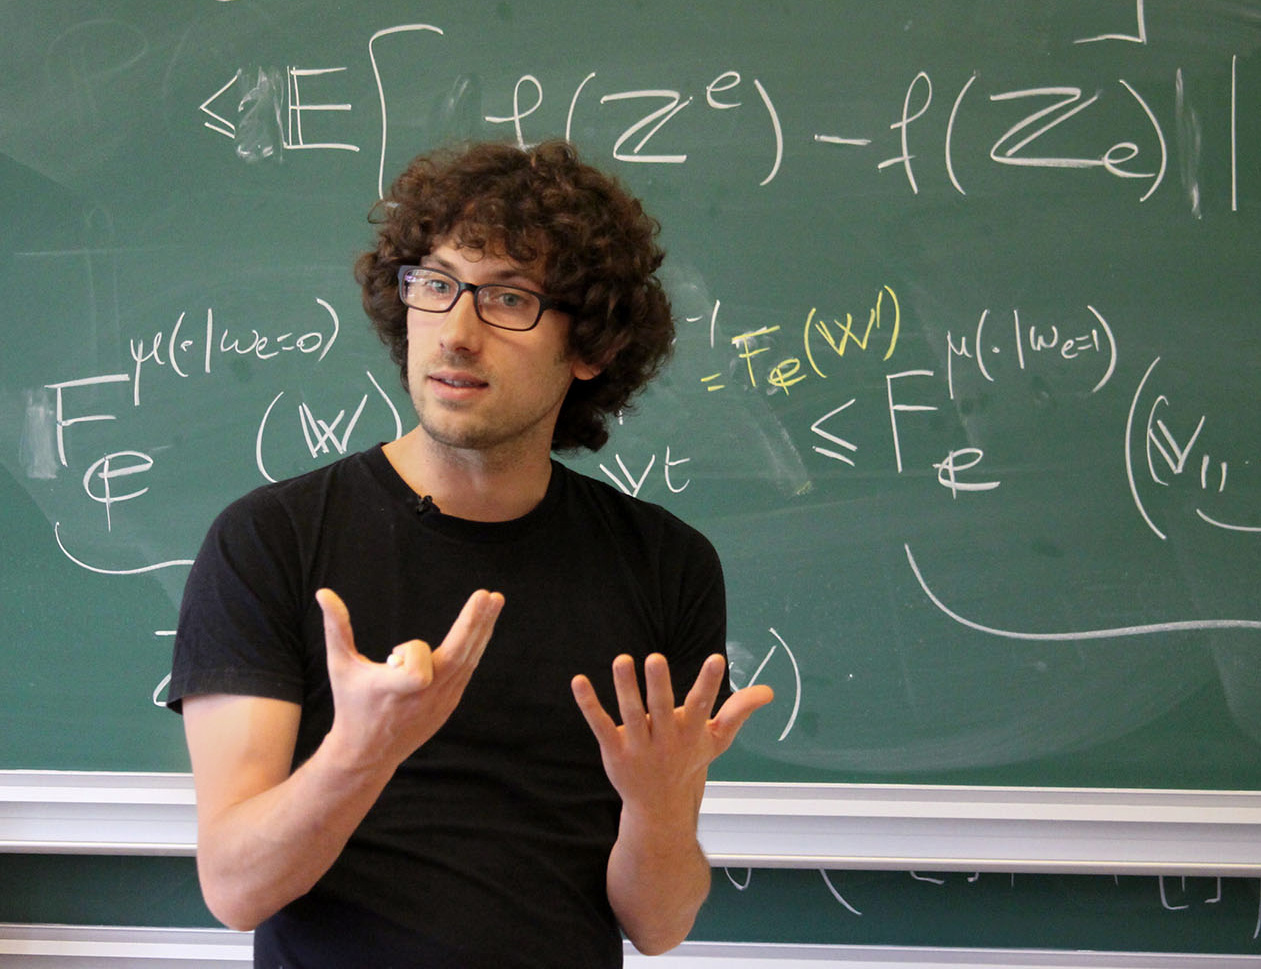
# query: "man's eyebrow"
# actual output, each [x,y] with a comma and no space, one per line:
[514,275]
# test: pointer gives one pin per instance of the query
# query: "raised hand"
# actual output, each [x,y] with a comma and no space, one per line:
[659,756]
[384,711]
[658,759]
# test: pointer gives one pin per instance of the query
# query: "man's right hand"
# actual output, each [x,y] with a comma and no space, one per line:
[384,711]
[266,835]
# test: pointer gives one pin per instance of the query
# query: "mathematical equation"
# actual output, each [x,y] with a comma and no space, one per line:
[1167,456]
[820,347]
[184,352]
[267,111]
[1185,897]
[1000,346]
[188,352]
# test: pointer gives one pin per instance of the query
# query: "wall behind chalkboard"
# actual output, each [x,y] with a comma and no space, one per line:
[965,389]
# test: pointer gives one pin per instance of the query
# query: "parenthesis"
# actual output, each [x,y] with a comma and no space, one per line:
[170,350]
[779,132]
[258,440]
[1160,137]
[1112,345]
[165,682]
[337,326]
[573,103]
[792,719]
[897,317]
[398,421]
[805,340]
[980,356]
[1129,451]
[950,127]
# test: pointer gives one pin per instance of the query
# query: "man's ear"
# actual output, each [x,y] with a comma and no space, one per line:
[586,371]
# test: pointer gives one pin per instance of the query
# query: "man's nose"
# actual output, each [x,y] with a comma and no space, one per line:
[461,326]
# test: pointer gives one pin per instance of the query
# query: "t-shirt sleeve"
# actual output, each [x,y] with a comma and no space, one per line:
[240,618]
[700,614]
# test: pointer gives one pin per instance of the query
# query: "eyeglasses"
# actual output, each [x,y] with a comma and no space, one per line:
[507,307]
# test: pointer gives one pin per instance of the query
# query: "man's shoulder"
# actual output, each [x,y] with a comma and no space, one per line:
[297,508]
[584,487]
[623,511]
[352,471]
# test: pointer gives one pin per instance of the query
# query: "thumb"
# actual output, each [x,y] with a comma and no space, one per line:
[339,639]
[739,707]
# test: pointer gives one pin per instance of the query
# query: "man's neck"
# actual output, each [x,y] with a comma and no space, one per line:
[470,484]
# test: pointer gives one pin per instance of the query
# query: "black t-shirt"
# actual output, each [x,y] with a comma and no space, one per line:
[489,846]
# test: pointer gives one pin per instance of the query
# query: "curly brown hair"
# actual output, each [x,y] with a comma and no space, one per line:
[596,244]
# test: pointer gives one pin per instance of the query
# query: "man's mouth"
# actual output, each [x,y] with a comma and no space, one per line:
[458,381]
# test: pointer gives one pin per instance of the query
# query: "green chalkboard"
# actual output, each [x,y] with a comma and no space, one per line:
[784,906]
[966,382]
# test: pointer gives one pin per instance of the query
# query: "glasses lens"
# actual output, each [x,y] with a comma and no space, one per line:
[427,289]
[507,306]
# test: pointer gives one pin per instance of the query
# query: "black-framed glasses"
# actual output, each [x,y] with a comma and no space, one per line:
[507,307]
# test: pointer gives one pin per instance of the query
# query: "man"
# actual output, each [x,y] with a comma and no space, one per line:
[365,800]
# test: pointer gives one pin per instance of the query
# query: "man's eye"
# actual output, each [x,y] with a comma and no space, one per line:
[510,299]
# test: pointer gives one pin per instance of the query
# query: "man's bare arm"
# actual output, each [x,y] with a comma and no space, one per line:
[265,836]
[658,760]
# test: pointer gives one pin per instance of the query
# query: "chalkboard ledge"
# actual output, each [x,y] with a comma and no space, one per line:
[1008,829]
[759,825]
[97,812]
[71,947]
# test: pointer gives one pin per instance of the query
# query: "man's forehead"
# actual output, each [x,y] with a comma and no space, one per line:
[476,246]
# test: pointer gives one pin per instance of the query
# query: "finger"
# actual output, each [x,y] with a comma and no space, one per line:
[592,710]
[738,708]
[630,704]
[659,689]
[414,658]
[466,640]
[701,697]
[339,640]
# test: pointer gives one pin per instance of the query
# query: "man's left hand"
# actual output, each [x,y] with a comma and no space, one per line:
[661,753]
